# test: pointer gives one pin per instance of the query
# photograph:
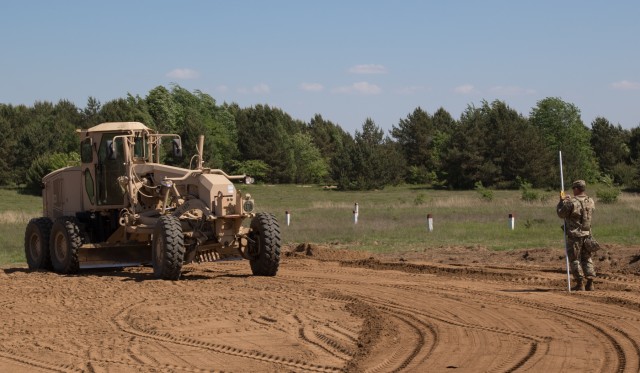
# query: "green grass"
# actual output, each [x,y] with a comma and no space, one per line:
[390,220]
[15,211]
[395,219]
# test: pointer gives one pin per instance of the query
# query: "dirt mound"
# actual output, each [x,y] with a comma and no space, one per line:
[323,252]
[610,259]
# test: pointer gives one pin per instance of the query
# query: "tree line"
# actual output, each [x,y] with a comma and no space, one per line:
[491,145]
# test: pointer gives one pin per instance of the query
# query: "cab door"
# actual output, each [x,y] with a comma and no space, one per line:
[110,166]
[88,173]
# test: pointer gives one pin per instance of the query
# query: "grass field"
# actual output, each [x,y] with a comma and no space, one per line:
[15,211]
[393,219]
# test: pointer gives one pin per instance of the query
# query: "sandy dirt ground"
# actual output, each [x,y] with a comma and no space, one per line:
[329,310]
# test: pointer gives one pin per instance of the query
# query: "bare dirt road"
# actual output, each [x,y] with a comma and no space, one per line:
[442,310]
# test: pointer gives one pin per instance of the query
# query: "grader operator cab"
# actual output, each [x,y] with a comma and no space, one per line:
[122,207]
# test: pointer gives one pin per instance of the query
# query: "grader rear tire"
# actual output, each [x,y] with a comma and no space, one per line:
[65,241]
[36,243]
[264,251]
[168,248]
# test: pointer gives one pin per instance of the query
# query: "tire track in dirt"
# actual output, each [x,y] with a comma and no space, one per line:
[492,273]
[342,332]
[603,328]
[337,340]
[620,362]
[530,348]
[418,345]
[136,354]
[617,278]
[610,333]
[326,335]
[93,364]
[322,342]
[411,329]
[404,353]
[591,320]
[36,363]
[394,310]
[622,300]
[121,321]
[399,359]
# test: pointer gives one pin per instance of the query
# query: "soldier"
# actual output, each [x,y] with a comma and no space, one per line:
[577,212]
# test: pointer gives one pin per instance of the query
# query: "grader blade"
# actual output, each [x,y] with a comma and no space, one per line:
[102,256]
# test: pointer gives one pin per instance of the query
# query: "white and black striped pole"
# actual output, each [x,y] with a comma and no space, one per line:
[512,221]
[288,217]
[430,222]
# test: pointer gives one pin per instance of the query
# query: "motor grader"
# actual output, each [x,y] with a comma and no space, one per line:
[123,207]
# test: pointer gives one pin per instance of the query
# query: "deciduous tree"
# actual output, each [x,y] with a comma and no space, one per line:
[564,130]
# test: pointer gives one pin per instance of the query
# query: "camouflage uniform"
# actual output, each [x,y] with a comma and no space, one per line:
[577,212]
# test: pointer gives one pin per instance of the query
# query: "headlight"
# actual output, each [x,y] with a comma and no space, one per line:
[248,205]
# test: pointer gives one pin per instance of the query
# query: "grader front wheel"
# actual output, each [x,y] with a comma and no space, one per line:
[168,248]
[264,247]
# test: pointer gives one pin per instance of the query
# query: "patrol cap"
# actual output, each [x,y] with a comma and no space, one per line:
[580,184]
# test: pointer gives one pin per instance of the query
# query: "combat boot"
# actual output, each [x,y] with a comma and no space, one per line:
[579,285]
[589,286]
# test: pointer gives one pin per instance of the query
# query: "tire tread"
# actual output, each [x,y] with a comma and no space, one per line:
[267,260]
[173,257]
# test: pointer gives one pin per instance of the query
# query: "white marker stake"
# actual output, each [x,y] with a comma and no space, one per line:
[355,213]
[430,222]
[288,216]
[512,221]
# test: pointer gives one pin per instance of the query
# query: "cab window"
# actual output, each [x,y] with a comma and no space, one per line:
[108,170]
[89,187]
[86,151]
[140,147]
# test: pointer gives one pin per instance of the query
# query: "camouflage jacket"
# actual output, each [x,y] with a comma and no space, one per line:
[578,212]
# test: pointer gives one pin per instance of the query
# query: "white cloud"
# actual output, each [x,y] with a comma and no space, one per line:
[464,89]
[368,69]
[183,74]
[511,91]
[261,88]
[625,85]
[257,89]
[363,88]
[222,88]
[311,87]
[410,90]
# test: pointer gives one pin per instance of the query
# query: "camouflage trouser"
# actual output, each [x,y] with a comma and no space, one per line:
[579,258]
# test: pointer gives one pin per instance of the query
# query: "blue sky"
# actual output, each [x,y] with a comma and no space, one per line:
[346,60]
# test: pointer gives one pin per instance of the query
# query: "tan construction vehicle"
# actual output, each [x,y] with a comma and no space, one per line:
[122,207]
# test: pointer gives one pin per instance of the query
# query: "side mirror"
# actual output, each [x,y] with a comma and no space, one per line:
[177,148]
[112,152]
